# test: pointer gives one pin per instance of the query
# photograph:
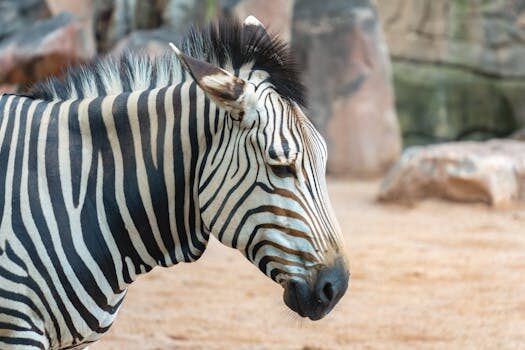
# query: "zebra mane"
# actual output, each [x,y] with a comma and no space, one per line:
[227,43]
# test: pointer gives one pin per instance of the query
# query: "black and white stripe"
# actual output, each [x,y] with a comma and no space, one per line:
[130,164]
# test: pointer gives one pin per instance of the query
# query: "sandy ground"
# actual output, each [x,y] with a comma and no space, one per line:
[436,276]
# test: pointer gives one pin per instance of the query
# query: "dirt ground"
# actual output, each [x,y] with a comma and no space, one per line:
[436,276]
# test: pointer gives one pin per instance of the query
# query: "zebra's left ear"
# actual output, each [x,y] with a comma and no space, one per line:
[225,89]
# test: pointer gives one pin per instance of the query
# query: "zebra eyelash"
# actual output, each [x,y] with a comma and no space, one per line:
[284,171]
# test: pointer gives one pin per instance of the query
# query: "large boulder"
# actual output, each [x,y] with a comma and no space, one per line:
[115,20]
[492,172]
[81,9]
[44,49]
[19,14]
[484,36]
[351,100]
[458,67]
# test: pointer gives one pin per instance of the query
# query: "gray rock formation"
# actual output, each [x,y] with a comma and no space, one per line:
[18,14]
[43,49]
[492,172]
[482,36]
[116,19]
[348,78]
[458,67]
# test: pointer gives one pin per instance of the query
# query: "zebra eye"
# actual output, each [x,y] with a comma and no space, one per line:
[284,170]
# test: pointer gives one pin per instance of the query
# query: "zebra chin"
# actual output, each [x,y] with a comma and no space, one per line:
[316,297]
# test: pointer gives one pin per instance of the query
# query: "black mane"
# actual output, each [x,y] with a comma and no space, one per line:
[227,43]
[231,41]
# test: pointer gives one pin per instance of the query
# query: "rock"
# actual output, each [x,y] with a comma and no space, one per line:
[83,10]
[445,103]
[115,20]
[484,36]
[348,78]
[276,15]
[18,14]
[80,8]
[458,69]
[519,135]
[153,42]
[44,49]
[492,172]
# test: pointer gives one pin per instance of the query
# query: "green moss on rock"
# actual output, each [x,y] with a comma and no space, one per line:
[441,103]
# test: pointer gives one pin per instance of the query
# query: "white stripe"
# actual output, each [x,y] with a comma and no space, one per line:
[154,124]
[6,222]
[5,118]
[87,147]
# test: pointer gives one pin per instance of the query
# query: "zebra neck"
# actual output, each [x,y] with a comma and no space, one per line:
[144,151]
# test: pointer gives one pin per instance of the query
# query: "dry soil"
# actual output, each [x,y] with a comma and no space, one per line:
[435,276]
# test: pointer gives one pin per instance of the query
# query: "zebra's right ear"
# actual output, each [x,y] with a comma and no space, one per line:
[225,89]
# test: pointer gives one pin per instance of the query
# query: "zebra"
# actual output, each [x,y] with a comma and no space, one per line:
[130,163]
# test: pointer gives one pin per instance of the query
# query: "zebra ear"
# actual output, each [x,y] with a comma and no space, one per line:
[225,89]
[253,21]
[253,25]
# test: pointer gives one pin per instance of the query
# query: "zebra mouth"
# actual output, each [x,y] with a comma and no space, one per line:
[291,296]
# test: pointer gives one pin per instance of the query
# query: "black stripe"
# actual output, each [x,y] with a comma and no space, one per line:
[14,340]
[134,202]
[6,145]
[75,150]
[22,316]
[156,178]
[193,186]
[180,179]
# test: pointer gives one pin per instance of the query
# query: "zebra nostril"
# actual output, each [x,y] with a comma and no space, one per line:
[330,285]
[328,292]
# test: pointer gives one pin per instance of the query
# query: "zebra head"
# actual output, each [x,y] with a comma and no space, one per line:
[262,186]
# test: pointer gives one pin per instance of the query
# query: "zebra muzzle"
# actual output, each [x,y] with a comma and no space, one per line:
[316,298]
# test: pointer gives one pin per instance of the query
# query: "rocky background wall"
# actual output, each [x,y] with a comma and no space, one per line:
[339,43]
[459,67]
[457,64]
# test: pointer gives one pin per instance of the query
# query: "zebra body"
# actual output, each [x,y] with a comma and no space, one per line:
[120,175]
[74,239]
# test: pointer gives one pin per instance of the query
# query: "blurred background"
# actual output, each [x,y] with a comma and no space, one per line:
[417,99]
[381,74]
